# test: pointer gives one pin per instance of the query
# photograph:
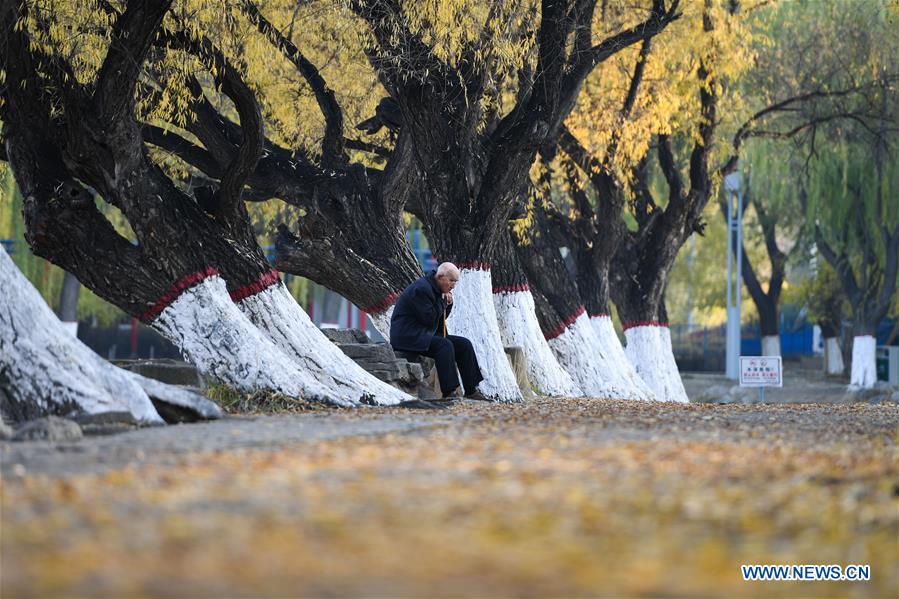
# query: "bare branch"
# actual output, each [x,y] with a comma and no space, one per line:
[190,153]
[332,144]
[659,18]
[233,85]
[132,36]
[840,264]
[792,104]
[669,168]
[356,144]
[402,52]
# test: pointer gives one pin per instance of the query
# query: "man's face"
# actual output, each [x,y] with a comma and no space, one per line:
[446,282]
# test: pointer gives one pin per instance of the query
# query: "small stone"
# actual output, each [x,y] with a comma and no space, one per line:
[371,352]
[346,336]
[713,394]
[51,428]
[6,431]
[106,418]
[173,372]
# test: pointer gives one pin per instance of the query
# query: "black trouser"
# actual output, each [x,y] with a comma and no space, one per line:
[448,353]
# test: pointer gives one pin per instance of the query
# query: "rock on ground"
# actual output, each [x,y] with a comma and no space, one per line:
[51,428]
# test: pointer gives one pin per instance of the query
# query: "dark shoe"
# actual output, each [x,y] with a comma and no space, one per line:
[478,396]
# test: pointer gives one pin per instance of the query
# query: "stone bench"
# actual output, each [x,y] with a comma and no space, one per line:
[413,373]
[380,360]
[173,372]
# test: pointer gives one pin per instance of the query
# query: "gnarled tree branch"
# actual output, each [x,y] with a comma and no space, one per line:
[332,145]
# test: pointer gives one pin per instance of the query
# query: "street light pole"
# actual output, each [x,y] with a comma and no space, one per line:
[734,279]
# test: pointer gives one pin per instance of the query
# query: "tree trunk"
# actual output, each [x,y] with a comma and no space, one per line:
[639,297]
[354,242]
[833,357]
[564,321]
[833,351]
[649,349]
[592,278]
[223,343]
[46,371]
[769,322]
[519,326]
[610,344]
[269,305]
[864,365]
[592,260]
[474,317]
[863,373]
[371,283]
[771,345]
[870,293]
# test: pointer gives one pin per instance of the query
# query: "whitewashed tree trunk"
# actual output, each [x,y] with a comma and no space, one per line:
[474,317]
[278,315]
[518,326]
[578,351]
[612,349]
[224,345]
[675,383]
[864,367]
[771,345]
[45,370]
[649,350]
[833,356]
[381,321]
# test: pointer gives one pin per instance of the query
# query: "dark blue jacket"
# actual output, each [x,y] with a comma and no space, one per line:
[418,315]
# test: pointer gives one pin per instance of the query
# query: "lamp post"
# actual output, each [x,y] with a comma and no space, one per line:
[734,276]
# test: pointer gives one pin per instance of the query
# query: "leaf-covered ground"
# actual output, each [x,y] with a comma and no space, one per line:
[556,497]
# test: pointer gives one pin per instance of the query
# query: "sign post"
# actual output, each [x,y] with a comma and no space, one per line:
[761,372]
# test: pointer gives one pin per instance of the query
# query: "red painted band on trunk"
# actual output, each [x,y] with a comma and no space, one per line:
[568,322]
[512,288]
[257,286]
[383,304]
[644,323]
[175,292]
[473,266]
[600,315]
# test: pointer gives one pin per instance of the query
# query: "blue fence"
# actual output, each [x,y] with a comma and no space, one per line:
[703,349]
[420,248]
[798,342]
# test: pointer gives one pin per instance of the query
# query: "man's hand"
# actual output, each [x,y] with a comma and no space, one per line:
[448,296]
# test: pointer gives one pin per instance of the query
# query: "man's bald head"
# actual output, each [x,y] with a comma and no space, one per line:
[447,269]
[447,276]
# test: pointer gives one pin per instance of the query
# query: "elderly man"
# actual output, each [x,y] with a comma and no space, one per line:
[418,326]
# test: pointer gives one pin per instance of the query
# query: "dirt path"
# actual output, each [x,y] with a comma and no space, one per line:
[800,385]
[553,497]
